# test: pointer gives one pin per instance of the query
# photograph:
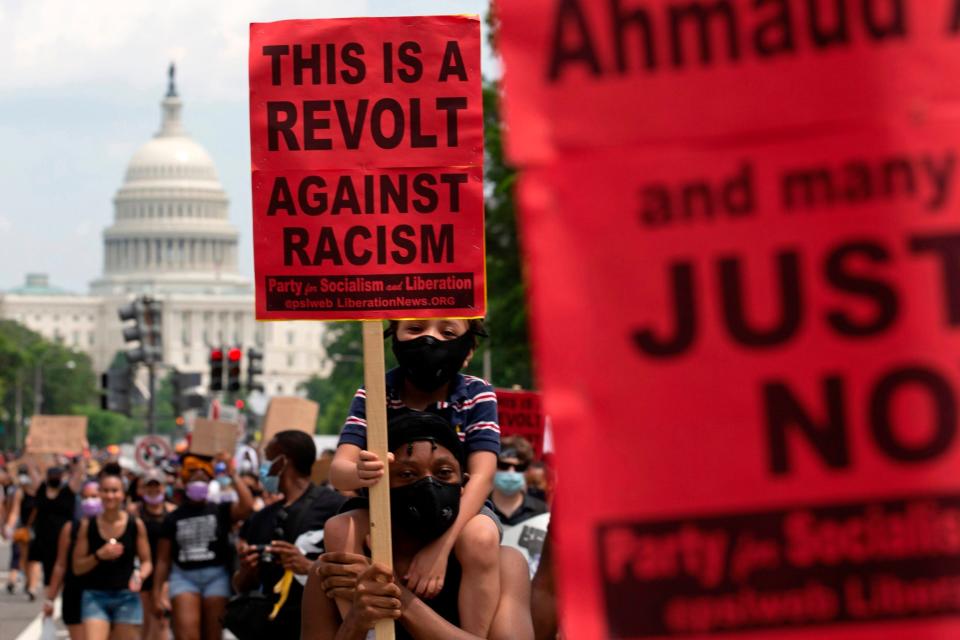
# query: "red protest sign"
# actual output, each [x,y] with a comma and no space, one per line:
[367,158]
[582,74]
[520,413]
[773,384]
[757,345]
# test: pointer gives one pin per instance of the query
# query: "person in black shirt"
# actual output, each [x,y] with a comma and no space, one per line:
[104,555]
[194,552]
[511,502]
[63,576]
[268,544]
[55,504]
[19,513]
[426,479]
[152,509]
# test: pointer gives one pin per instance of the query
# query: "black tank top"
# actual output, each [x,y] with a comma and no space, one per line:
[26,507]
[445,604]
[154,524]
[112,575]
[70,577]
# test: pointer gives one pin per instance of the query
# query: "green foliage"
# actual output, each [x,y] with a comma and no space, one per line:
[508,343]
[107,427]
[66,377]
[344,344]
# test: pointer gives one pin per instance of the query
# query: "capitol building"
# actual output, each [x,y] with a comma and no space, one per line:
[172,239]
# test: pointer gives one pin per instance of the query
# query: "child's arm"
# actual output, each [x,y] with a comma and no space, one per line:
[353,468]
[426,573]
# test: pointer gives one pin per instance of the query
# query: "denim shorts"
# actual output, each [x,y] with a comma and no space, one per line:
[118,607]
[209,582]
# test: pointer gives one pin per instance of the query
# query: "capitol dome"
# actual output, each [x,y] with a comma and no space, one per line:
[176,157]
[171,229]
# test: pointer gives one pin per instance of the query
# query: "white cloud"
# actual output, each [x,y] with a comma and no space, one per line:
[55,43]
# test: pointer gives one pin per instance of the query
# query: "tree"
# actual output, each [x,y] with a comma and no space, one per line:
[66,377]
[107,427]
[344,345]
[509,342]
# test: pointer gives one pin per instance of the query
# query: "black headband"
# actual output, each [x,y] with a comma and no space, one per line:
[407,427]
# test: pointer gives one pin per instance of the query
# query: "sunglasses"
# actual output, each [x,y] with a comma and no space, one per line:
[502,465]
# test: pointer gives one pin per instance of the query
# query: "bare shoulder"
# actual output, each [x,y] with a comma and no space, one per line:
[513,565]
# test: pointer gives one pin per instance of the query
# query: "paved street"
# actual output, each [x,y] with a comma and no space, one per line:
[19,618]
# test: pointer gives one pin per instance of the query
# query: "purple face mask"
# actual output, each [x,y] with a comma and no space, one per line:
[154,500]
[91,507]
[197,491]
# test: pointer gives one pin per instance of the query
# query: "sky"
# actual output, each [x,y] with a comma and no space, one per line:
[80,91]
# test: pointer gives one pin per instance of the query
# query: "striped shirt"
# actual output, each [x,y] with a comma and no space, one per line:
[471,408]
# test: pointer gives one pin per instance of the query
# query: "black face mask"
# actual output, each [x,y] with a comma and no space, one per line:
[430,363]
[54,482]
[426,508]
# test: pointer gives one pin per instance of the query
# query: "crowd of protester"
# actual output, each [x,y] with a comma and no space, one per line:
[196,543]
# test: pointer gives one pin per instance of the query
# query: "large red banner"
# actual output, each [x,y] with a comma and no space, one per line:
[747,329]
[367,159]
[602,74]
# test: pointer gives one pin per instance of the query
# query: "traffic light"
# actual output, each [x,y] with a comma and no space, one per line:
[116,385]
[254,369]
[153,329]
[234,355]
[146,330]
[183,396]
[216,369]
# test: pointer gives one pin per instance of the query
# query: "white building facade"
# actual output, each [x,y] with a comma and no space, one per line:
[171,238]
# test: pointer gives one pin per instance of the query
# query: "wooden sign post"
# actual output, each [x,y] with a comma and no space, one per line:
[375,383]
[367,176]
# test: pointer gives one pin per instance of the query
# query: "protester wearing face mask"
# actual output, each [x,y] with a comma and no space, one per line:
[19,514]
[109,544]
[63,576]
[511,502]
[430,354]
[152,509]
[268,540]
[55,506]
[426,482]
[194,552]
[221,489]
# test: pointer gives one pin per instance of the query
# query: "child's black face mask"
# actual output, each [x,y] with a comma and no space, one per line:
[425,508]
[429,363]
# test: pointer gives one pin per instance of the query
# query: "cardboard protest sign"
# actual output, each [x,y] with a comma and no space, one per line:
[57,434]
[289,412]
[583,74]
[520,413]
[756,345]
[367,156]
[210,437]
